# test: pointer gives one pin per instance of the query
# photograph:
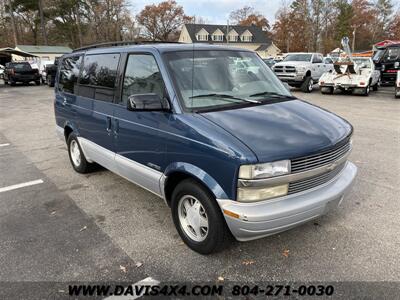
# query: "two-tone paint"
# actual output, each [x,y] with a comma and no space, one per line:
[150,148]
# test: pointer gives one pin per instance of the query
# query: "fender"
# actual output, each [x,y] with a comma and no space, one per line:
[198,173]
[72,125]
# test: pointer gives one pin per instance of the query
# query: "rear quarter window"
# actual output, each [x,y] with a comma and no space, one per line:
[98,76]
[69,72]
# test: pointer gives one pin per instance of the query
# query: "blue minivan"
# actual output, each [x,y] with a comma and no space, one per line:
[209,129]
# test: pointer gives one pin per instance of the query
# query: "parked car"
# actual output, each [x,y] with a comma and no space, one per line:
[42,69]
[397,88]
[50,73]
[387,61]
[228,151]
[1,71]
[301,70]
[20,72]
[358,77]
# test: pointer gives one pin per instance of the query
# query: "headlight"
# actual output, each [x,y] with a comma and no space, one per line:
[261,193]
[301,69]
[266,170]
[262,171]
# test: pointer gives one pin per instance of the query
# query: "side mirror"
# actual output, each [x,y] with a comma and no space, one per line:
[150,101]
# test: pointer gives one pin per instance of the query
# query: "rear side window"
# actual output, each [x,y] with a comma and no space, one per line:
[100,70]
[69,72]
[98,76]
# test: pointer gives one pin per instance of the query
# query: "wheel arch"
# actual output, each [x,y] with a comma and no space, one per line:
[177,172]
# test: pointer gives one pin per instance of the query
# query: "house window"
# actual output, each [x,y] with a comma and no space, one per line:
[202,37]
[218,37]
[246,38]
[232,38]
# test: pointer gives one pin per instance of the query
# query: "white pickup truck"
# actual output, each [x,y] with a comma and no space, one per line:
[302,69]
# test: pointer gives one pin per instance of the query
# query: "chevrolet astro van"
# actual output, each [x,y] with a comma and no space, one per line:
[209,129]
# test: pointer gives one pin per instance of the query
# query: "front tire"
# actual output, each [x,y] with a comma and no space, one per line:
[76,155]
[366,90]
[198,218]
[37,82]
[307,85]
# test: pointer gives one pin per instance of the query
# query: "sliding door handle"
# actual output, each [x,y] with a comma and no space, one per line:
[108,124]
[116,126]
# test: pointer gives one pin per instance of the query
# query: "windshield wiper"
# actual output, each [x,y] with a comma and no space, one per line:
[227,96]
[272,94]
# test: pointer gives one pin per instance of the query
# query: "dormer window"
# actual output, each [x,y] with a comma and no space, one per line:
[246,36]
[202,35]
[218,36]
[233,36]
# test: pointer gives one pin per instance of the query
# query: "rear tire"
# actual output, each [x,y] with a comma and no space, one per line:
[307,85]
[49,79]
[76,155]
[37,82]
[12,83]
[327,90]
[191,204]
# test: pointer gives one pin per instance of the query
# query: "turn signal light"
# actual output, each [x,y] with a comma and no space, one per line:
[362,83]
[231,214]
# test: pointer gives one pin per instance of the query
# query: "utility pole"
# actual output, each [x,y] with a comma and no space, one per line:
[353,42]
[42,25]
[15,34]
[227,31]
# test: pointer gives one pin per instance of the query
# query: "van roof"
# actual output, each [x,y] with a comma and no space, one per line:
[161,47]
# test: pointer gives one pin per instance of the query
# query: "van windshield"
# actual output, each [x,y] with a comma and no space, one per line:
[217,79]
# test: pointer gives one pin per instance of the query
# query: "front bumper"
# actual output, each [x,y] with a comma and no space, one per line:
[290,77]
[269,217]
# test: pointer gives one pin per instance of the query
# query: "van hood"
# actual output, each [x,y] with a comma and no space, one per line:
[283,130]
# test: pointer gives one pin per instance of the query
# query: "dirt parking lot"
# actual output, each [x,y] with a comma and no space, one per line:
[102,227]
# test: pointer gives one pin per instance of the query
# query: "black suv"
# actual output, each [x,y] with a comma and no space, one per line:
[387,60]
[20,72]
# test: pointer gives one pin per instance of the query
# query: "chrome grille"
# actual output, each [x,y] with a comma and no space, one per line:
[320,159]
[311,182]
[285,69]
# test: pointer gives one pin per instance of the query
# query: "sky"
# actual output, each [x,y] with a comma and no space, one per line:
[217,11]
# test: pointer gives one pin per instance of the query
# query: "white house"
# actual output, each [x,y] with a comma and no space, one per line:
[42,52]
[247,37]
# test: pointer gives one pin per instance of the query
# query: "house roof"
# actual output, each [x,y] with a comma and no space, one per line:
[44,49]
[8,51]
[263,47]
[259,36]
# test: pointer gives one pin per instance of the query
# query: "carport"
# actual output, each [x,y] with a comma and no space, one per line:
[6,54]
